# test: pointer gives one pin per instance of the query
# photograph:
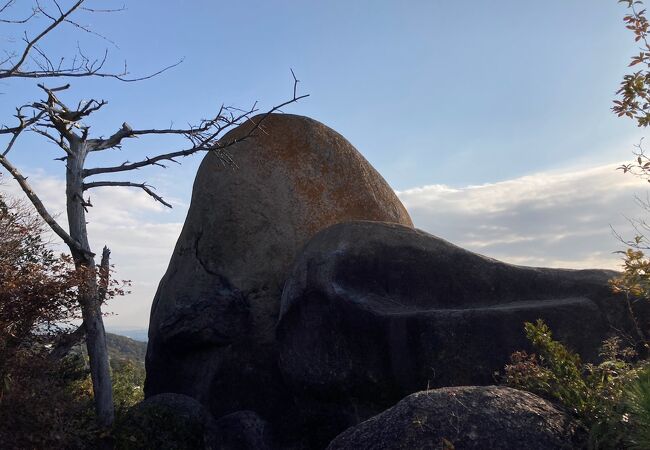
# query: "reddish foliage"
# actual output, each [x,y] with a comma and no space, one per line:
[37,287]
[43,403]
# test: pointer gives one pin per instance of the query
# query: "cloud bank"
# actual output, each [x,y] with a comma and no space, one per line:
[556,219]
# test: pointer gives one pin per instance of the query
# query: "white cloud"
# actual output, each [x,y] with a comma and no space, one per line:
[558,219]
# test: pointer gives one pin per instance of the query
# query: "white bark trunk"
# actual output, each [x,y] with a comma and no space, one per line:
[89,291]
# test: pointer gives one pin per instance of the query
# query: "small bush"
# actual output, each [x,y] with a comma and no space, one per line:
[128,383]
[46,406]
[637,411]
[157,427]
[48,403]
[600,396]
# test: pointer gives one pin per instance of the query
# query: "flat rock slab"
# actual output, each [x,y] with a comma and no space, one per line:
[374,311]
[485,417]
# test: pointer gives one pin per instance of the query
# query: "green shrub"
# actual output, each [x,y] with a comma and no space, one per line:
[637,411]
[157,427]
[46,405]
[128,383]
[599,396]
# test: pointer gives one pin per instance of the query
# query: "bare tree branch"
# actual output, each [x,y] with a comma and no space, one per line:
[154,161]
[6,5]
[88,71]
[80,66]
[206,137]
[23,124]
[66,343]
[145,187]
[15,70]
[59,142]
[115,140]
[104,274]
[94,10]
[60,117]
[73,23]
[38,204]
[17,21]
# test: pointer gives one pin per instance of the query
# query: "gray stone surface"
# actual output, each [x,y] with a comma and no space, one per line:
[212,328]
[374,311]
[470,417]
[244,430]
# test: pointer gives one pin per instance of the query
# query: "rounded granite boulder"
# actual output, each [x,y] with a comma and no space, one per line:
[212,328]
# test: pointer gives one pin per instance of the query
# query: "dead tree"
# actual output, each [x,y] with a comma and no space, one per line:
[63,124]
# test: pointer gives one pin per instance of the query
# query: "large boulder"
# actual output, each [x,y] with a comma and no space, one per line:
[212,328]
[468,417]
[375,311]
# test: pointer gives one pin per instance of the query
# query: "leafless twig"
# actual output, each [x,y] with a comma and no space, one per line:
[14,65]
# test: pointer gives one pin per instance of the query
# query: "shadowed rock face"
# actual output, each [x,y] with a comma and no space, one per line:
[212,328]
[243,430]
[469,417]
[375,311]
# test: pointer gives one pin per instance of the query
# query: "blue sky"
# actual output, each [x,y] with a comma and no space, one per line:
[445,92]
[439,96]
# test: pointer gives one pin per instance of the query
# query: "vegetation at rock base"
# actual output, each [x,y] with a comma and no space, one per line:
[37,291]
[157,427]
[611,399]
[50,405]
[45,387]
[637,402]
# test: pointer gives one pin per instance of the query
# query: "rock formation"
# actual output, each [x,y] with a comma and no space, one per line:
[300,301]
[212,329]
[375,311]
[176,421]
[479,418]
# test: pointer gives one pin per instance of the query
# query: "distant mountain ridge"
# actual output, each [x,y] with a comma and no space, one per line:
[123,347]
[138,334]
[120,348]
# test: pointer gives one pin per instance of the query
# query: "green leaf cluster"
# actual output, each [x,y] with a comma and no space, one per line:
[609,399]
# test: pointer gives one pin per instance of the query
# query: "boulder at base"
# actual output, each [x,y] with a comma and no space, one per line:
[375,311]
[167,421]
[468,417]
[212,328]
[243,430]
